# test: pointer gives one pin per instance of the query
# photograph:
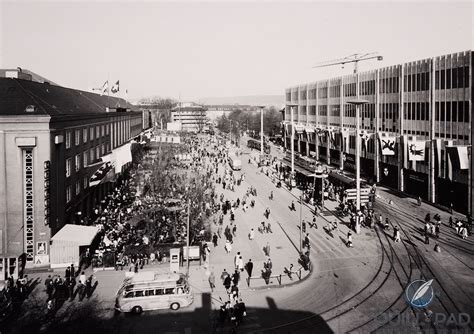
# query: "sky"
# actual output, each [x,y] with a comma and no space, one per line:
[192,50]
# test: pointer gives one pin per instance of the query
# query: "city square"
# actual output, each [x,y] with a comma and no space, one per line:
[135,197]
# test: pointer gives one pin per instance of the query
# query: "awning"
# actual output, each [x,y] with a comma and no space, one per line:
[298,169]
[348,181]
[119,157]
[299,129]
[100,175]
[77,234]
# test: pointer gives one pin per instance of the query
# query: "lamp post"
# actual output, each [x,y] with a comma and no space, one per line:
[357,103]
[261,130]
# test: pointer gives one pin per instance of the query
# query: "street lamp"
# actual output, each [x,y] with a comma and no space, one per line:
[292,140]
[357,103]
[261,130]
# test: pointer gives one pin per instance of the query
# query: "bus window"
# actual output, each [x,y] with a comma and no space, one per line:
[179,291]
[158,292]
[149,293]
[169,291]
[129,294]
[138,293]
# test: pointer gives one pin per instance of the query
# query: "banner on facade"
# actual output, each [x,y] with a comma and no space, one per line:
[459,156]
[416,150]
[345,140]
[387,143]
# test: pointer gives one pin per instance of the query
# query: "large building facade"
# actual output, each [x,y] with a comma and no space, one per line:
[416,127]
[191,116]
[52,143]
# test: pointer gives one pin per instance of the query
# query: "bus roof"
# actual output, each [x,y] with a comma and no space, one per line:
[151,276]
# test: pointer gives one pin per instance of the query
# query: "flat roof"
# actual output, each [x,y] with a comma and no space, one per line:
[78,234]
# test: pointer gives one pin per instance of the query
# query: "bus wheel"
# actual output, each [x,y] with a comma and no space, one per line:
[137,310]
[174,306]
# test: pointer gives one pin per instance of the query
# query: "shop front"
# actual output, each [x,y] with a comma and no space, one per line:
[451,193]
[335,158]
[388,175]
[416,184]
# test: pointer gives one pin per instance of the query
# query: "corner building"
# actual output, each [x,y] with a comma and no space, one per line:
[426,102]
[52,140]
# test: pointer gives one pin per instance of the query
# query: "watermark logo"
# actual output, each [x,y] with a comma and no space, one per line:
[419,293]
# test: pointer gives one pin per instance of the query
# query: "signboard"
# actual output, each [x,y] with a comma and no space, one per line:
[364,194]
[47,166]
[174,260]
[194,253]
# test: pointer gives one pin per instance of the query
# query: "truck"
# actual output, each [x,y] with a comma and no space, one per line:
[235,163]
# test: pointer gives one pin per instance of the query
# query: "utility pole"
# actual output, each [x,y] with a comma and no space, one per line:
[261,130]
[301,222]
[187,242]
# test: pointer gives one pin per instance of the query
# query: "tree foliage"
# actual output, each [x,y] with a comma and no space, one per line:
[250,120]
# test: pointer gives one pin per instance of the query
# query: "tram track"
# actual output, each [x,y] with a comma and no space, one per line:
[422,263]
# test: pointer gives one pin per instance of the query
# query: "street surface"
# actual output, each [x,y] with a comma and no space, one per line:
[357,290]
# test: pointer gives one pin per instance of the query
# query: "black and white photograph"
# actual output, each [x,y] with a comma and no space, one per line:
[236,166]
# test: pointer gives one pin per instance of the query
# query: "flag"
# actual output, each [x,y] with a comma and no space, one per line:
[116,87]
[345,140]
[387,144]
[416,150]
[105,88]
[459,157]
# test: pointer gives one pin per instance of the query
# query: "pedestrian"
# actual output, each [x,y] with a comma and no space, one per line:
[224,275]
[349,239]
[427,238]
[240,263]
[212,281]
[437,230]
[251,234]
[267,249]
[236,258]
[397,234]
[236,277]
[249,267]
[67,274]
[49,286]
[234,231]
[214,240]
[228,246]
[227,283]
[269,264]
[269,228]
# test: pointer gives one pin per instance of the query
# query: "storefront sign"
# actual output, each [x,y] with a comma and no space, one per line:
[47,165]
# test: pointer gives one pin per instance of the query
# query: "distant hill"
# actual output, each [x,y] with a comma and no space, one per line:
[266,100]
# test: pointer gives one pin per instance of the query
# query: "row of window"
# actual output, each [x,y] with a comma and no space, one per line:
[69,192]
[87,133]
[458,77]
[94,154]
[452,78]
[456,111]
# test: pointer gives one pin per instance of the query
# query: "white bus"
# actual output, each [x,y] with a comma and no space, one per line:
[153,291]
[235,163]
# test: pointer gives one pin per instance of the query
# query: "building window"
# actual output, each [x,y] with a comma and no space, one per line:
[103,149]
[68,139]
[102,130]
[77,137]
[91,133]
[86,183]
[97,152]
[68,194]
[107,127]
[78,188]
[85,159]
[77,162]
[68,167]
[28,202]
[84,135]
[97,131]
[91,155]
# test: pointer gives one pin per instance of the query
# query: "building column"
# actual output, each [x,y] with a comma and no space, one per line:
[341,123]
[431,161]
[328,137]
[402,138]
[377,153]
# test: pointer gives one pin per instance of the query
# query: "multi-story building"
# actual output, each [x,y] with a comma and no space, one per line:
[52,142]
[416,126]
[191,116]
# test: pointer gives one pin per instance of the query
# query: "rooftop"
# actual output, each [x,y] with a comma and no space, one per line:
[25,97]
